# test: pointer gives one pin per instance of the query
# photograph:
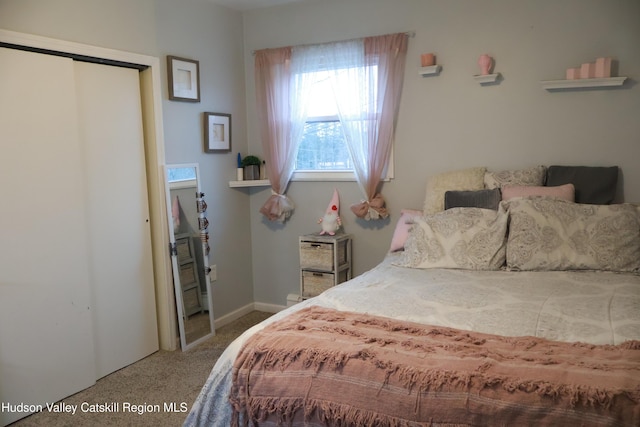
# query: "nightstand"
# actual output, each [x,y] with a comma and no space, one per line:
[325,261]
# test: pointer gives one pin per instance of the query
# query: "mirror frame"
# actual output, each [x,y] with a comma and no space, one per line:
[174,259]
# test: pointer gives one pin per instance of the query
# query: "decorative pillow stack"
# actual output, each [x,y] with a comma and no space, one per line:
[465,238]
[558,218]
[553,234]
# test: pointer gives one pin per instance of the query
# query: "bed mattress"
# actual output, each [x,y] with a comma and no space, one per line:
[573,306]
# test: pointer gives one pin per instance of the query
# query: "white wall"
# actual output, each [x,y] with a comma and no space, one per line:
[449,121]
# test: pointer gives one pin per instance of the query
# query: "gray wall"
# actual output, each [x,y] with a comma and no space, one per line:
[212,34]
[449,121]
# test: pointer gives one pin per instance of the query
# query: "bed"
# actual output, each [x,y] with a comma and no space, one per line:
[525,311]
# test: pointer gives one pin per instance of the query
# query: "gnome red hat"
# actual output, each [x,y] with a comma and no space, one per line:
[334,205]
[331,221]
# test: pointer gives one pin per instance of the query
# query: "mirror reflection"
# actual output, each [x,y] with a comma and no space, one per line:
[189,239]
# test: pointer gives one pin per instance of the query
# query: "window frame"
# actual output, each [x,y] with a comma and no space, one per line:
[336,175]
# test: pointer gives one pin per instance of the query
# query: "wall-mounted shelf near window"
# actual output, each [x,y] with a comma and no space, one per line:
[429,71]
[582,83]
[486,78]
[250,183]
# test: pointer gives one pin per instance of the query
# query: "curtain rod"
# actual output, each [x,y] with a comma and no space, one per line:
[410,34]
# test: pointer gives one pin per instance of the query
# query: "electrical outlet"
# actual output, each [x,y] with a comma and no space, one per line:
[213,274]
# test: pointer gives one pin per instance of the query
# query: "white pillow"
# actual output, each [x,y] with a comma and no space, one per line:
[465,238]
[460,180]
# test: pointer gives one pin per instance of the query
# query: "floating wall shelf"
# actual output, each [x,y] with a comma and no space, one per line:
[429,71]
[250,183]
[486,78]
[582,83]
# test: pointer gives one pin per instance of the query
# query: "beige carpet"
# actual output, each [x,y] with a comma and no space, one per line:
[163,377]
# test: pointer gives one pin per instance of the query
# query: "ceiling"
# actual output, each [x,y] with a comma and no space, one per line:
[243,5]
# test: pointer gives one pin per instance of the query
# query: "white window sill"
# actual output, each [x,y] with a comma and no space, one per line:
[323,176]
[328,176]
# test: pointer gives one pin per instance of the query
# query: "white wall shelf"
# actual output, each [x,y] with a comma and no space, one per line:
[486,78]
[429,71]
[582,83]
[250,183]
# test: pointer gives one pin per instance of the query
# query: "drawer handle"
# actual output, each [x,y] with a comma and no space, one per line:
[315,245]
[318,274]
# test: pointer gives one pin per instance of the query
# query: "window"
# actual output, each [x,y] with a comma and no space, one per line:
[366,80]
[181,174]
[323,147]
[181,178]
[323,153]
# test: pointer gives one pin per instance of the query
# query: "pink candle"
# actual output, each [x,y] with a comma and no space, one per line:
[427,59]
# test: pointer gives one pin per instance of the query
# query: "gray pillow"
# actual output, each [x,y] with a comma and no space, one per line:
[485,199]
[594,185]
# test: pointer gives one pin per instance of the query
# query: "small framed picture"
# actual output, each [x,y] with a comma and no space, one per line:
[217,132]
[184,79]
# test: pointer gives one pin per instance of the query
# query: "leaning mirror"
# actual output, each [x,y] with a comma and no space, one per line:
[189,241]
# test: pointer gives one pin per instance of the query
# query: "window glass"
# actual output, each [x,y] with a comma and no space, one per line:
[323,147]
[181,174]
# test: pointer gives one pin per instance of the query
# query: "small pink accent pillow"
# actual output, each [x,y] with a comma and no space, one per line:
[403,226]
[564,192]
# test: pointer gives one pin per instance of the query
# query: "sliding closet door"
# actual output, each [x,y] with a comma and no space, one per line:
[46,345]
[124,315]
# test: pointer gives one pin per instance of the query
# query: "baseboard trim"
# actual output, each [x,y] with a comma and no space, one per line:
[268,308]
[236,314]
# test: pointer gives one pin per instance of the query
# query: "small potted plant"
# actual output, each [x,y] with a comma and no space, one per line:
[251,166]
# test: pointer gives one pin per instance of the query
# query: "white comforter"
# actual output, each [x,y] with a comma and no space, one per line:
[588,306]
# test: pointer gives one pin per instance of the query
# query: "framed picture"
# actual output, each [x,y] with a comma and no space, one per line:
[217,132]
[184,79]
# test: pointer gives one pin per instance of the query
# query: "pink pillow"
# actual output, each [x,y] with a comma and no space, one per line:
[564,192]
[403,226]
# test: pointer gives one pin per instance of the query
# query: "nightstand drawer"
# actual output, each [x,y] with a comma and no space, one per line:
[191,301]
[325,261]
[316,255]
[315,282]
[319,256]
[184,249]
[187,274]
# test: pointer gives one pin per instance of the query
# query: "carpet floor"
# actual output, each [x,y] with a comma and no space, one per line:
[165,377]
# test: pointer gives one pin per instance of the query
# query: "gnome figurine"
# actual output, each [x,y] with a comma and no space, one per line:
[331,221]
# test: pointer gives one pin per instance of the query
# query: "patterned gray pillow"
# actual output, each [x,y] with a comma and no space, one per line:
[531,176]
[465,238]
[554,234]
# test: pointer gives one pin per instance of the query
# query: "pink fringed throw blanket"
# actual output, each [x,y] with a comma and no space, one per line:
[338,368]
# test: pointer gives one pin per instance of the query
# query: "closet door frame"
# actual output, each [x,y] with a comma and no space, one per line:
[151,99]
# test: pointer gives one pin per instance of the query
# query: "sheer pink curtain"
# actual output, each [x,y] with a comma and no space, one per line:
[375,83]
[281,116]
